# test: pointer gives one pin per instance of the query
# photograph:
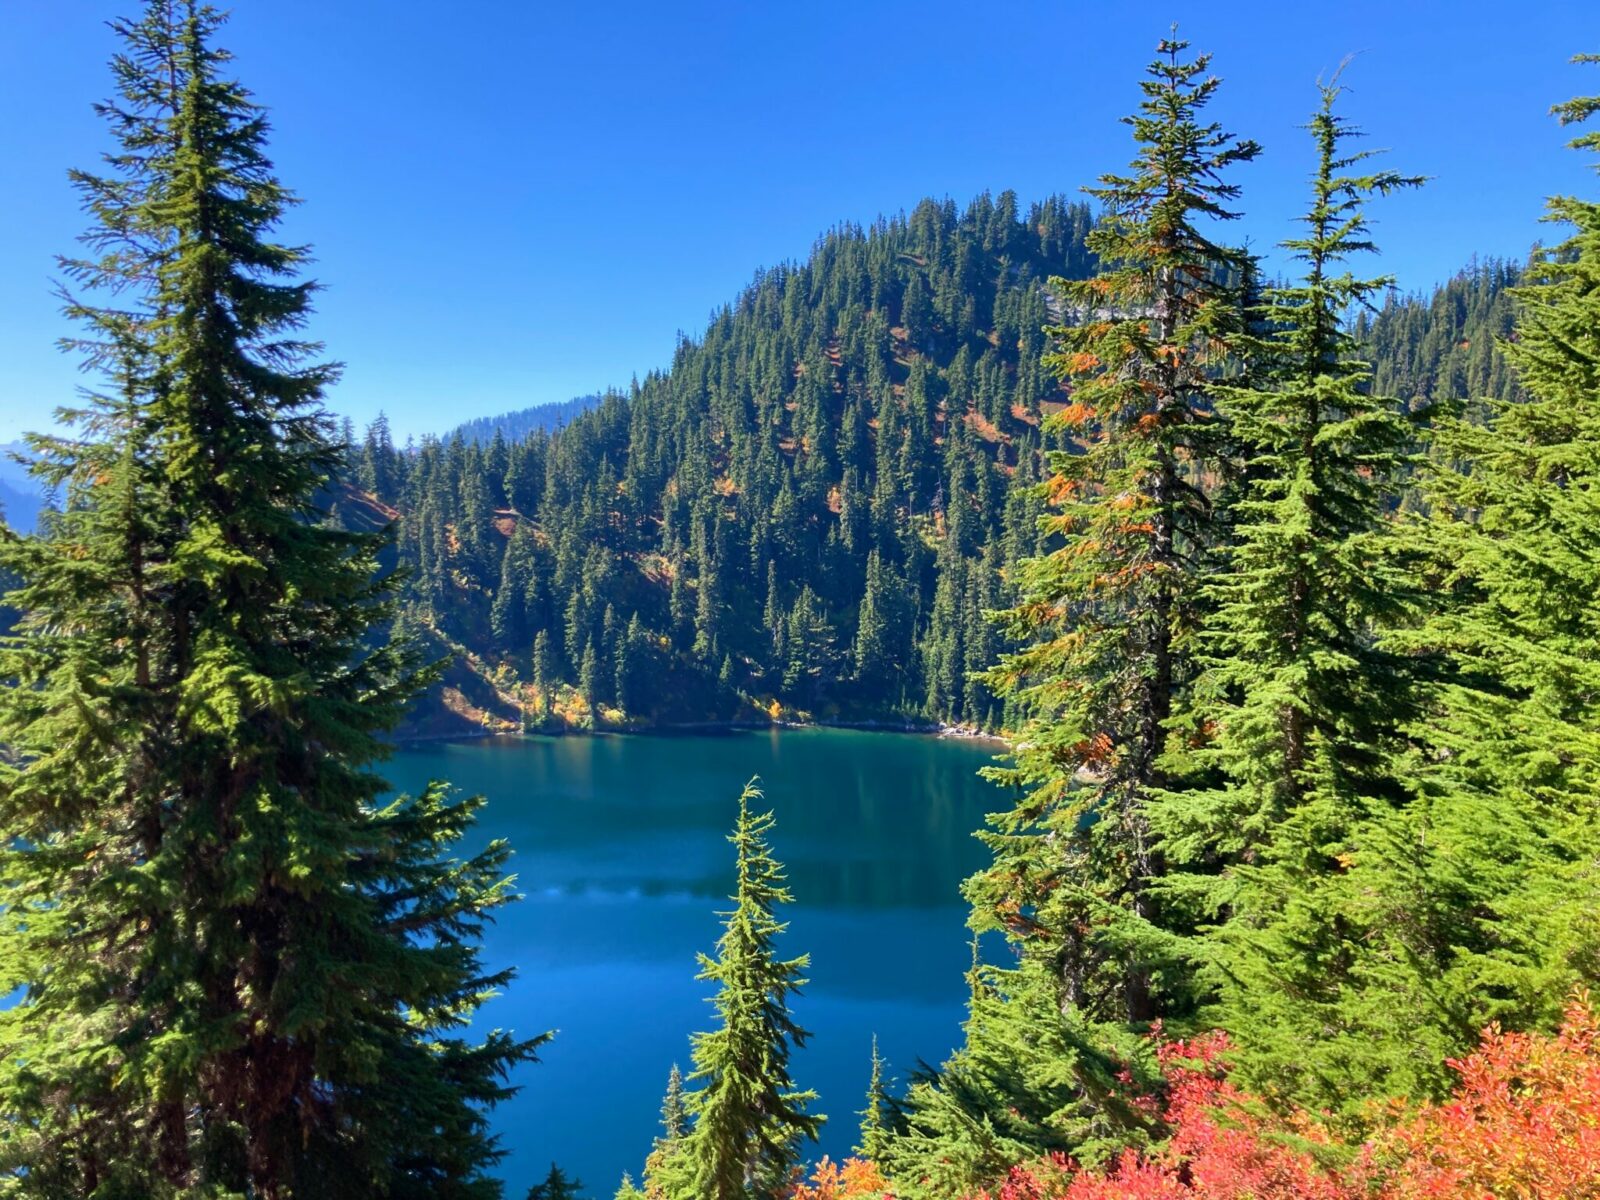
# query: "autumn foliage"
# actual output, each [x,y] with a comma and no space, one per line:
[854,1180]
[1524,1124]
[1224,1146]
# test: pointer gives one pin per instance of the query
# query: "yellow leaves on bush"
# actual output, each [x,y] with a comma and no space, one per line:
[856,1179]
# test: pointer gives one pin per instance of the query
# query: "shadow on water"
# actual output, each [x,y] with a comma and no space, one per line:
[622,858]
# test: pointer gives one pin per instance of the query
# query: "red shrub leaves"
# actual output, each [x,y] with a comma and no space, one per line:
[1223,1147]
[1525,1122]
[1524,1125]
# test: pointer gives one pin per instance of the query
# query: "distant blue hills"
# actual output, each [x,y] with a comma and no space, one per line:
[22,499]
[515,426]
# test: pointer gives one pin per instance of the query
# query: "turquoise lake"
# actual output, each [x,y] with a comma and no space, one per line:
[622,859]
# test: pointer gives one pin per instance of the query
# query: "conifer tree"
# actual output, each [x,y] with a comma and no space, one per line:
[589,680]
[1107,620]
[556,1186]
[239,972]
[674,1116]
[543,675]
[872,653]
[1306,706]
[748,1117]
[1109,617]
[1481,894]
[874,1126]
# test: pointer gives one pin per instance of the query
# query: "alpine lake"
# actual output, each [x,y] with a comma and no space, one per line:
[622,860]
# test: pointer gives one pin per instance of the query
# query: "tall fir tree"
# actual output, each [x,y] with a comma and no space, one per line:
[556,1186]
[1107,619]
[871,1140]
[1306,706]
[674,1113]
[239,972]
[1481,894]
[748,1117]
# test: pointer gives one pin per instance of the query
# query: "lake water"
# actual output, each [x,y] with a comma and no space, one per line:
[621,855]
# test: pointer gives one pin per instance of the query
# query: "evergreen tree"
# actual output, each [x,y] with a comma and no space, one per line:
[1108,619]
[874,1124]
[872,654]
[674,1115]
[237,971]
[589,680]
[543,675]
[1307,708]
[748,1118]
[1137,527]
[811,644]
[508,614]
[556,1186]
[630,650]
[1480,894]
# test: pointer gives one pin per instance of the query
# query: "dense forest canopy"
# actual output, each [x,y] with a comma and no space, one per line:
[515,426]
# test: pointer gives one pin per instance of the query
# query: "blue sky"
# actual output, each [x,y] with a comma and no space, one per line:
[517,202]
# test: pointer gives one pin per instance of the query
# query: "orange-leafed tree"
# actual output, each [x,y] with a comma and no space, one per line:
[1106,621]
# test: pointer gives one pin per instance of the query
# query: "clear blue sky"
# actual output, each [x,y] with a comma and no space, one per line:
[518,202]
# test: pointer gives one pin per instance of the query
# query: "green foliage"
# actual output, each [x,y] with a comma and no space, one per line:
[1029,1074]
[747,1117]
[1302,707]
[1309,740]
[815,437]
[239,973]
[1107,619]
[556,1186]
[874,1117]
[674,1111]
[1480,894]
[1445,348]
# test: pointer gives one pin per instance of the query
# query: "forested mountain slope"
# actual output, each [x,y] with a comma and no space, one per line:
[20,494]
[809,512]
[1444,346]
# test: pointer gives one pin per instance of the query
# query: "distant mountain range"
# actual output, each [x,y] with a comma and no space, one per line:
[516,426]
[21,498]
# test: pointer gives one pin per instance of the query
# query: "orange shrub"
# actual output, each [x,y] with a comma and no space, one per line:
[1524,1123]
[855,1180]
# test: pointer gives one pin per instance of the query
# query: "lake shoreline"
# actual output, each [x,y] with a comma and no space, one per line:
[670,729]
